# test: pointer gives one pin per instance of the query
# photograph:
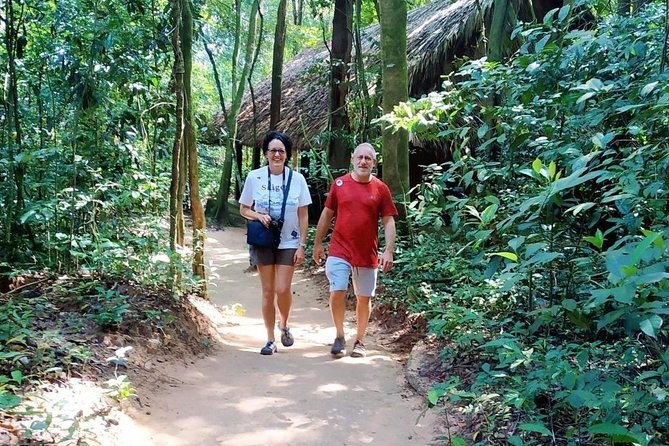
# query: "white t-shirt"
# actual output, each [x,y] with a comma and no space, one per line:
[255,194]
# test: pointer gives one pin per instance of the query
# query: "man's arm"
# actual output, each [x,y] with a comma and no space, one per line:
[322,229]
[386,260]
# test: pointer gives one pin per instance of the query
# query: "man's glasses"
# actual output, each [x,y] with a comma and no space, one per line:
[277,151]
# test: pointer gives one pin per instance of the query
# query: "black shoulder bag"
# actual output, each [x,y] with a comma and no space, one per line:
[259,235]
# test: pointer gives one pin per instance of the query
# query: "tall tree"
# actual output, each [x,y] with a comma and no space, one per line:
[190,148]
[340,57]
[499,42]
[498,36]
[395,84]
[277,65]
[367,110]
[220,209]
[14,201]
[175,198]
[298,6]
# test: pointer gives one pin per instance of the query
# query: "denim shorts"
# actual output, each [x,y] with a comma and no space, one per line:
[339,271]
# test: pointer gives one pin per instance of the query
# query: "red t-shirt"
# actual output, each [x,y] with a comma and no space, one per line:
[357,208]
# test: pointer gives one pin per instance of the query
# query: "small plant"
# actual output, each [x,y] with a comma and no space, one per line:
[160,318]
[236,309]
[119,388]
[108,308]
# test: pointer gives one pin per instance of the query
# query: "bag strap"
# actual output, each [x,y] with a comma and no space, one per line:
[285,192]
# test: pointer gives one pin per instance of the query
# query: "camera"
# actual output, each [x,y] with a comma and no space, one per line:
[276,225]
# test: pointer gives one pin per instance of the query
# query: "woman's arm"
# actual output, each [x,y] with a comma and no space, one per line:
[249,214]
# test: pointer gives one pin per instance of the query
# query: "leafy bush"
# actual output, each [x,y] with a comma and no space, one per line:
[549,269]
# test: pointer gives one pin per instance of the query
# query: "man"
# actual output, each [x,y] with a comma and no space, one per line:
[356,200]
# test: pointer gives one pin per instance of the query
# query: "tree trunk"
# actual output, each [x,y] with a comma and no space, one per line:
[277,65]
[217,79]
[183,169]
[16,201]
[238,169]
[339,156]
[190,149]
[395,82]
[498,44]
[255,158]
[298,6]
[368,104]
[498,35]
[220,210]
[175,200]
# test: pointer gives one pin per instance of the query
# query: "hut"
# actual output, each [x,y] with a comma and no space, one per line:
[437,34]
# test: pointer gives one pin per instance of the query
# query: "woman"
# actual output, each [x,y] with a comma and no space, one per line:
[262,199]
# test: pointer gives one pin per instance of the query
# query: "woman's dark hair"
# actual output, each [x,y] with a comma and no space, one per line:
[285,139]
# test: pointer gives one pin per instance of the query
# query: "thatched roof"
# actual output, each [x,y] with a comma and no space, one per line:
[437,33]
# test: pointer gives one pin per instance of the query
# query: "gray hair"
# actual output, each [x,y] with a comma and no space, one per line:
[365,144]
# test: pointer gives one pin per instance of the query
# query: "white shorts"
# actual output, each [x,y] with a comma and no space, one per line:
[339,271]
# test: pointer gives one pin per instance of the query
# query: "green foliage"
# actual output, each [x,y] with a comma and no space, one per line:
[108,308]
[84,181]
[120,388]
[542,251]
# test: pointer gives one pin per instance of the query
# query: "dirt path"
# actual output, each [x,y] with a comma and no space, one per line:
[299,396]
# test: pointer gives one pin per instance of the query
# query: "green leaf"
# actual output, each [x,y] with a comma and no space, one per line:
[629,107]
[597,240]
[624,294]
[489,213]
[539,46]
[608,429]
[516,242]
[38,425]
[653,277]
[17,376]
[642,247]
[552,167]
[542,258]
[581,398]
[600,140]
[569,304]
[616,198]
[23,157]
[585,97]
[8,400]
[611,317]
[569,380]
[535,427]
[659,242]
[618,434]
[515,441]
[648,88]
[576,178]
[27,216]
[594,84]
[564,12]
[651,326]
[548,17]
[458,441]
[432,397]
[536,165]
[508,255]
